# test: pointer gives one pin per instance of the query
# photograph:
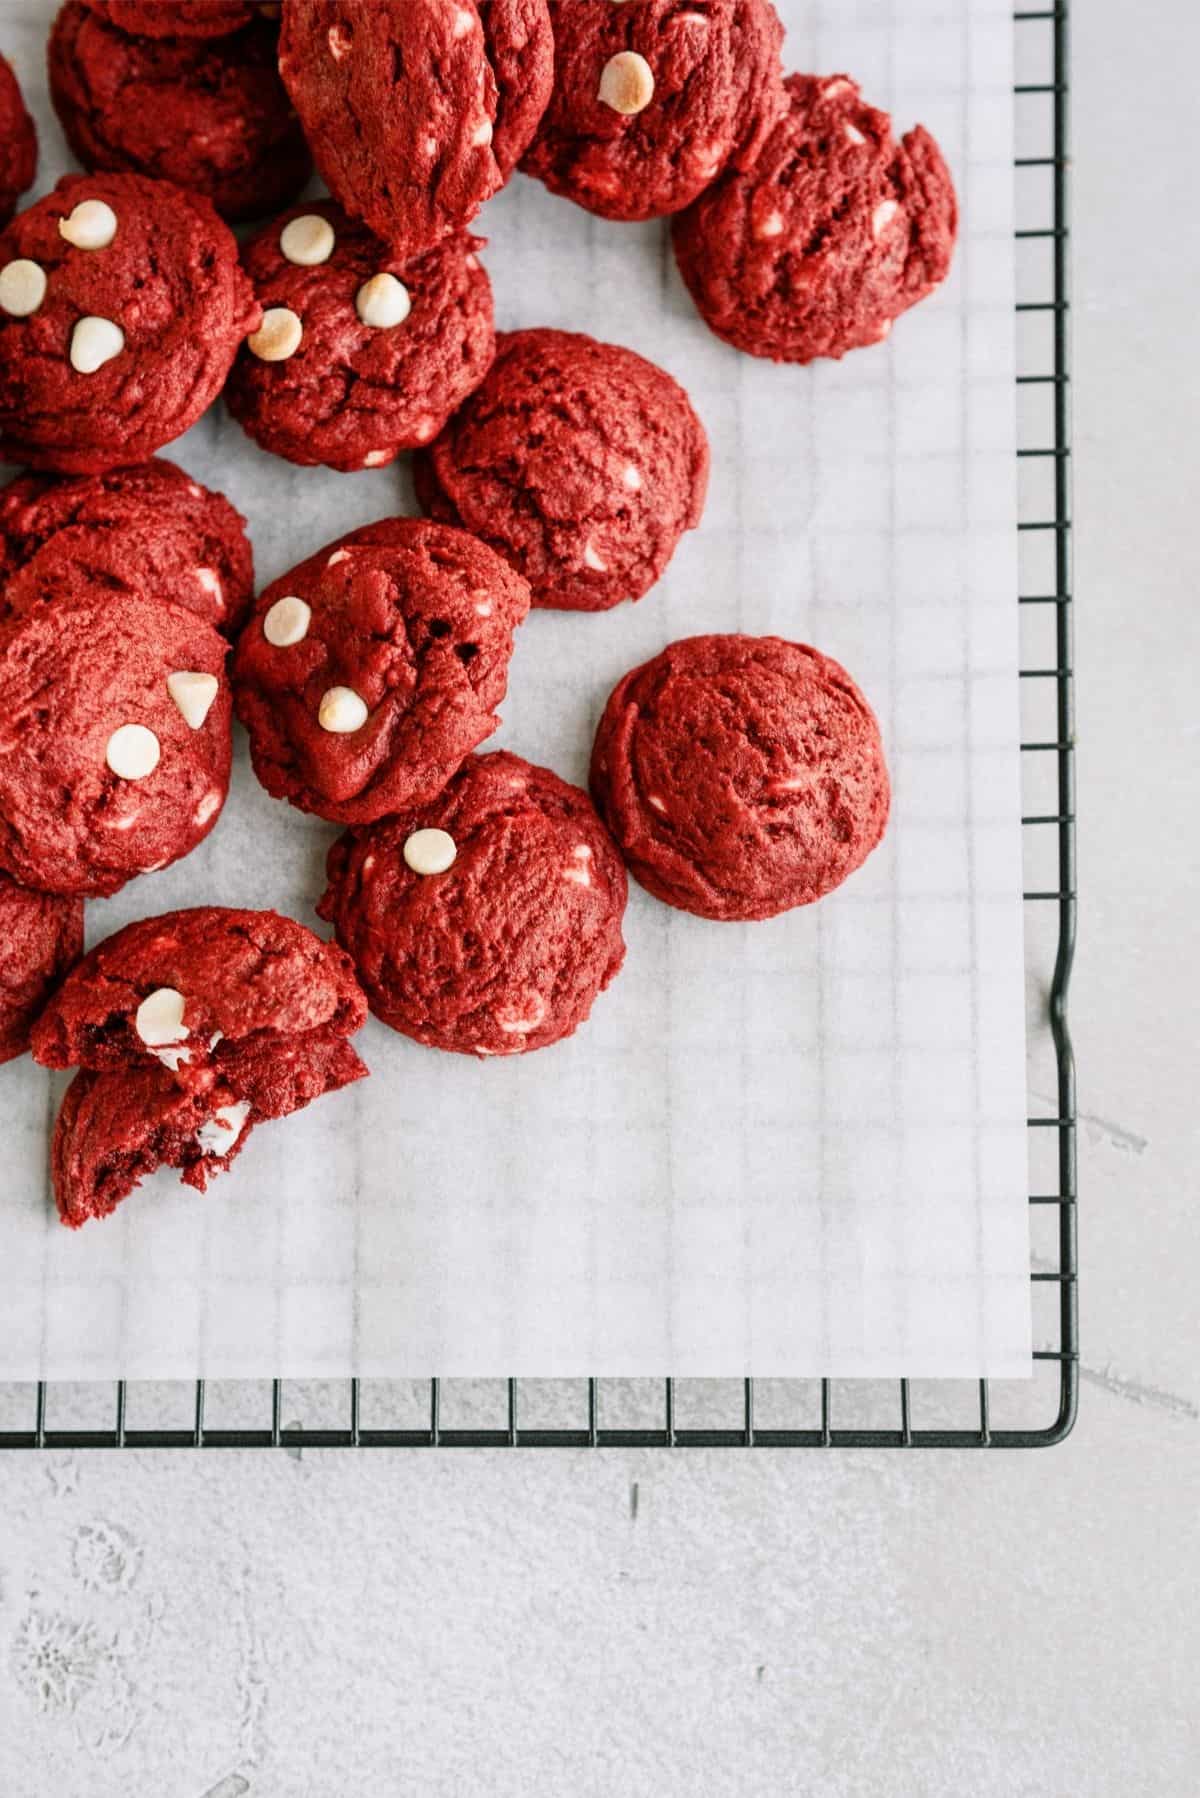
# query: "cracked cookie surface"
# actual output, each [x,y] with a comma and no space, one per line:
[500,941]
[371,670]
[416,109]
[579,462]
[740,776]
[707,90]
[209,113]
[835,231]
[356,392]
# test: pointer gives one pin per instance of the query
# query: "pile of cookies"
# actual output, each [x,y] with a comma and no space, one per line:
[477,899]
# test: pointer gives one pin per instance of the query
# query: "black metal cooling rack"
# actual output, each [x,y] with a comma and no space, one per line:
[790,1414]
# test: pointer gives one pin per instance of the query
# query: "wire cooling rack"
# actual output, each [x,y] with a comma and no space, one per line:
[785,1413]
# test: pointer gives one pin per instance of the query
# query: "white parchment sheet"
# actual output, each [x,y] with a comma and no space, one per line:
[794,1147]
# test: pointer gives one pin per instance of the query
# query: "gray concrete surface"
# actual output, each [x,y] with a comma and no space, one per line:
[994,1626]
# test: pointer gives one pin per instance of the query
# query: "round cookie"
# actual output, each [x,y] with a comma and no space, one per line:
[211,989]
[388,348]
[146,529]
[369,672]
[579,462]
[107,353]
[176,18]
[416,157]
[741,776]
[488,921]
[651,102]
[41,937]
[114,739]
[18,143]
[210,114]
[835,231]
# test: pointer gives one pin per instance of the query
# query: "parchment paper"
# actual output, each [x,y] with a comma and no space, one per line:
[785,1148]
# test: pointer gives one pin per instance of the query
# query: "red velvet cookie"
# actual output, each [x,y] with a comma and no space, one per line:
[210,114]
[114,739]
[417,110]
[194,1027]
[114,1129]
[208,991]
[176,18]
[652,101]
[386,349]
[369,672]
[835,231]
[18,143]
[488,921]
[580,462]
[41,937]
[122,305]
[149,529]
[741,776]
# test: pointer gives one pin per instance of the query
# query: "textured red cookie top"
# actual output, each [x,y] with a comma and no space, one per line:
[163,989]
[115,1128]
[580,462]
[18,143]
[176,18]
[389,347]
[506,948]
[114,739]
[741,776]
[147,529]
[40,938]
[127,342]
[652,101]
[209,113]
[371,670]
[835,231]
[400,101]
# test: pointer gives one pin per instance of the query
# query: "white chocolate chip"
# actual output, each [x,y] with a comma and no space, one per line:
[430,851]
[339,555]
[772,226]
[626,83]
[382,302]
[882,217]
[219,1133]
[594,559]
[132,752]
[579,872]
[95,341]
[196,491]
[520,1026]
[654,800]
[342,711]
[90,226]
[838,85]
[340,41]
[210,580]
[376,458]
[463,22]
[211,803]
[307,240]
[22,287]
[171,1058]
[287,622]
[854,134]
[278,337]
[159,1019]
[632,477]
[193,693]
[483,133]
[483,608]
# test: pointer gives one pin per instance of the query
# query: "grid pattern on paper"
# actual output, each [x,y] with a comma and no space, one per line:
[849,951]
